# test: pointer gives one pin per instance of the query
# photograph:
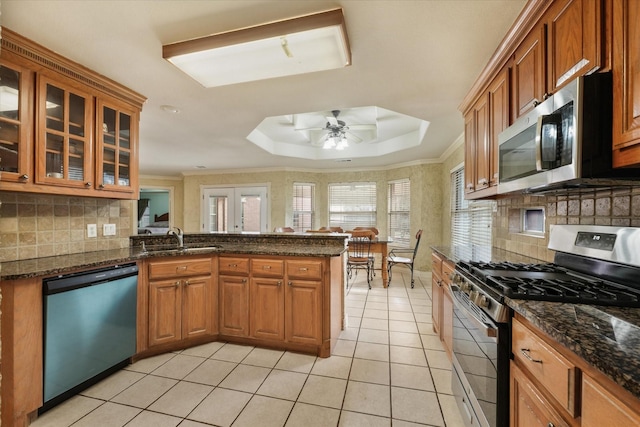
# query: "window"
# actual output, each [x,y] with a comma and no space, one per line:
[399,195]
[470,221]
[352,205]
[303,206]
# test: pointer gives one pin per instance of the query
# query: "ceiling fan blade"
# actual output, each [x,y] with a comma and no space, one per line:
[363,127]
[352,137]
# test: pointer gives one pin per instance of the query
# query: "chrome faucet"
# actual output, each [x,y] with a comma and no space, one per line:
[179,235]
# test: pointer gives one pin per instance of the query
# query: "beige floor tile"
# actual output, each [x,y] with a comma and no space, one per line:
[432,342]
[145,392]
[422,309]
[380,324]
[211,372]
[344,348]
[350,333]
[113,384]
[423,318]
[335,366]
[204,350]
[370,371]
[402,326]
[67,412]
[401,315]
[442,380]
[408,376]
[264,357]
[378,298]
[245,378]
[323,391]
[376,306]
[373,336]
[368,398]
[408,355]
[296,362]
[438,359]
[372,351]
[283,384]
[416,406]
[109,415]
[305,415]
[153,419]
[405,339]
[264,412]
[189,423]
[354,419]
[375,314]
[150,364]
[178,367]
[355,303]
[354,312]
[353,322]
[221,407]
[450,411]
[181,399]
[232,352]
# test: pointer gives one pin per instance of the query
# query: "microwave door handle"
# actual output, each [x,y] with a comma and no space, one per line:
[539,143]
[555,120]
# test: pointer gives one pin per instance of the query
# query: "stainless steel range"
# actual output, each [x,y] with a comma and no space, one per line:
[593,265]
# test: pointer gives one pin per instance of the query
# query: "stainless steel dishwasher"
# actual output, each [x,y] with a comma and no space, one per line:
[89,328]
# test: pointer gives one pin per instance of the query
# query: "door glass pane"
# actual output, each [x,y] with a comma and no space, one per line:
[125,126]
[250,208]
[76,160]
[55,108]
[9,93]
[109,125]
[218,211]
[76,115]
[123,168]
[55,145]
[9,146]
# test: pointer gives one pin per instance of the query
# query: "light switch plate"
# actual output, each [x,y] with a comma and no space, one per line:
[109,230]
[92,230]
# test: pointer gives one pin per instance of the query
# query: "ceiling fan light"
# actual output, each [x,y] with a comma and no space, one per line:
[329,144]
[314,42]
[342,144]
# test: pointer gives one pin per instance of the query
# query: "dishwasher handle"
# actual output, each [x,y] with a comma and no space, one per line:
[69,282]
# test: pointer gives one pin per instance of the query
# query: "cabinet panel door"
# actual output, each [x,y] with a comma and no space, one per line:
[436,301]
[483,147]
[16,135]
[267,308]
[529,72]
[196,308]
[164,311]
[447,321]
[601,408]
[64,135]
[574,32]
[499,113]
[470,152]
[303,308]
[626,83]
[234,305]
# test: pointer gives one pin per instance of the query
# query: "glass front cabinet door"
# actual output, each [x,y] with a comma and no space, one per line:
[64,135]
[16,94]
[116,158]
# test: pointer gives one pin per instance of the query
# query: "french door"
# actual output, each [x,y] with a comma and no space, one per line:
[234,209]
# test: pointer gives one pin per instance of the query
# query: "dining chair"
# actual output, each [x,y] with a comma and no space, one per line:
[331,229]
[373,258]
[408,260]
[359,249]
[284,230]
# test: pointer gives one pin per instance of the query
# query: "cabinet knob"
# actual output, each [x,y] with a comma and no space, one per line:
[87,184]
[177,283]
[469,186]
[24,177]
[101,186]
[290,283]
[483,181]
[244,280]
[551,424]
[279,283]
[187,283]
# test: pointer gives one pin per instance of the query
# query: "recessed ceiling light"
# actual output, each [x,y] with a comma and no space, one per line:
[170,109]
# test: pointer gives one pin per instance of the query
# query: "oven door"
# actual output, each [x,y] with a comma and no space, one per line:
[480,363]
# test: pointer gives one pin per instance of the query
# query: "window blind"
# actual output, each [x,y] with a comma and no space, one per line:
[352,205]
[399,204]
[303,206]
[471,221]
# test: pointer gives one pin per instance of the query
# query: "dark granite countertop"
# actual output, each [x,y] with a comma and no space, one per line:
[607,338]
[458,253]
[307,245]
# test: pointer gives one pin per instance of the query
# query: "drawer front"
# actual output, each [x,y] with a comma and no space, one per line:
[436,263]
[304,270]
[550,368]
[180,268]
[447,269]
[232,265]
[267,267]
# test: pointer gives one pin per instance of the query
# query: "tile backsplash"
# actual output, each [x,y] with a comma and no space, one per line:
[40,225]
[619,207]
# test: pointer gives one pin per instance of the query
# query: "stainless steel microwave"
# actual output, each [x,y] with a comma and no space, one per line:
[564,142]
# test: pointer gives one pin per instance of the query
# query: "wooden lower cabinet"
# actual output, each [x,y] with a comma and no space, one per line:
[602,408]
[446,332]
[234,305]
[182,300]
[436,292]
[267,311]
[303,312]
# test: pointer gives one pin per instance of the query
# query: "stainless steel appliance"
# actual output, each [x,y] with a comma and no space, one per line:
[89,328]
[565,142]
[593,265]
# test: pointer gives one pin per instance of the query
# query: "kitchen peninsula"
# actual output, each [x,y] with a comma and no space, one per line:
[270,290]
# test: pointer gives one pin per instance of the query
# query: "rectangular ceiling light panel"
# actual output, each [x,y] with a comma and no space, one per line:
[300,45]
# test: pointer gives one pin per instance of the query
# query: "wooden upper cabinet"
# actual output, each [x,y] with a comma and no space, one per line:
[626,83]
[16,122]
[499,117]
[529,83]
[574,40]
[469,151]
[483,144]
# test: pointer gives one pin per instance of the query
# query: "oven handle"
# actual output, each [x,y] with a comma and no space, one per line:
[489,329]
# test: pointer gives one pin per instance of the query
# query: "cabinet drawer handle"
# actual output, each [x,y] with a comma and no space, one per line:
[233,265]
[266,267]
[525,353]
[181,268]
[304,269]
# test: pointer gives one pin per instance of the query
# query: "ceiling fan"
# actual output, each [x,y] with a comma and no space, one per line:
[336,133]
